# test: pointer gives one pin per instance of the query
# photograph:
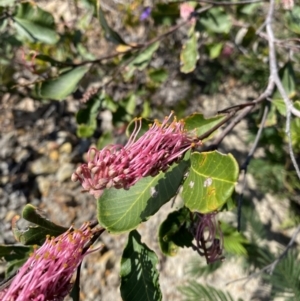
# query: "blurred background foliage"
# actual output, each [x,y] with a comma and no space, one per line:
[143,58]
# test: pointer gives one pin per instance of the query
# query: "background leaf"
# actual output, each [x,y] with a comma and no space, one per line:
[139,276]
[60,87]
[141,60]
[123,210]
[288,79]
[210,182]
[110,34]
[189,53]
[292,19]
[35,23]
[87,117]
[35,234]
[200,124]
[216,20]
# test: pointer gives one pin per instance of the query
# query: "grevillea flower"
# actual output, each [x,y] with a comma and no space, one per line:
[205,230]
[122,166]
[47,273]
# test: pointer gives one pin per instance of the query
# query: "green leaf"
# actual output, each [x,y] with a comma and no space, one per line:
[60,87]
[288,79]
[123,210]
[139,276]
[158,75]
[249,9]
[129,103]
[33,215]
[292,19]
[15,256]
[234,241]
[87,117]
[47,58]
[35,24]
[165,13]
[280,106]
[173,232]
[215,50]
[216,20]
[210,182]
[35,234]
[11,252]
[141,60]
[110,34]
[295,130]
[189,53]
[200,124]
[105,139]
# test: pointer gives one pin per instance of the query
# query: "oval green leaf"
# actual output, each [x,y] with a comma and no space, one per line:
[139,275]
[210,182]
[35,24]
[110,34]
[123,210]
[60,87]
[197,122]
[35,234]
[216,20]
[189,53]
[173,232]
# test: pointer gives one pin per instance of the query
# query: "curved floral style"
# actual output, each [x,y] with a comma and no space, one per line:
[205,230]
[122,166]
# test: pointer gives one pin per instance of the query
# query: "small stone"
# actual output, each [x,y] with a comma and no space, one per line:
[52,145]
[54,155]
[43,184]
[61,137]
[66,148]
[9,215]
[17,200]
[22,154]
[4,180]
[26,104]
[65,172]
[43,166]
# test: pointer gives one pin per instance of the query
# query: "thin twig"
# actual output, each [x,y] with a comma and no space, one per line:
[290,109]
[244,166]
[268,91]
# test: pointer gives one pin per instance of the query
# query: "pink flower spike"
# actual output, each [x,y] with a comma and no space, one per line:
[47,273]
[122,166]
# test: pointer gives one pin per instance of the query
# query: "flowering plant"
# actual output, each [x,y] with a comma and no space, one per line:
[161,155]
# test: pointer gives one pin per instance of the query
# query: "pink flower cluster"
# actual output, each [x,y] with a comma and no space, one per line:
[122,166]
[47,273]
